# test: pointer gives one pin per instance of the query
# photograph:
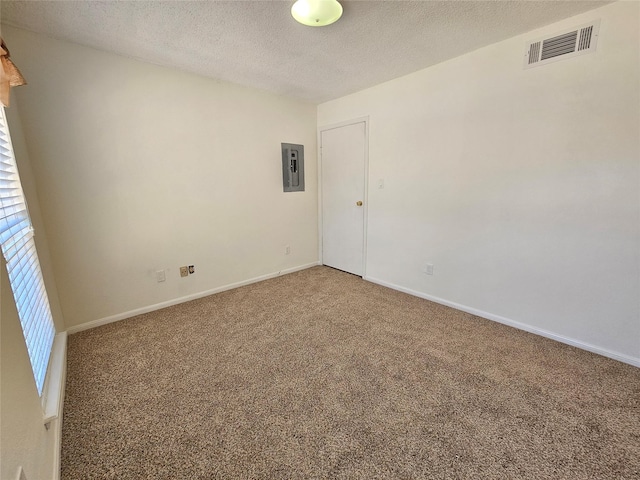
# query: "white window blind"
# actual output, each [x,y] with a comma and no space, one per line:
[23,267]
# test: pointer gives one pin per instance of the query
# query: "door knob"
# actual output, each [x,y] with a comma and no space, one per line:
[359,203]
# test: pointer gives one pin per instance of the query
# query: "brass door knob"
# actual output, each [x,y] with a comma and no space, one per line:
[359,203]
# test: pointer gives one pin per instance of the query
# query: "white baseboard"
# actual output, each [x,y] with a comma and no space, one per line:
[176,301]
[512,323]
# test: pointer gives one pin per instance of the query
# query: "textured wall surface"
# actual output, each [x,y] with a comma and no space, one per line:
[142,168]
[520,186]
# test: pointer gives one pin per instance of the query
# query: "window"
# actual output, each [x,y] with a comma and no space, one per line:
[23,267]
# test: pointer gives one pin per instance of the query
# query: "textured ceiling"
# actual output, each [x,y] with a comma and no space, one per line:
[258,44]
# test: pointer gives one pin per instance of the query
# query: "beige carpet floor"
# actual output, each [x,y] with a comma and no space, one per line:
[321,375]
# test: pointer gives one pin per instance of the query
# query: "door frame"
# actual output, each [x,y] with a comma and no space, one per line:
[332,126]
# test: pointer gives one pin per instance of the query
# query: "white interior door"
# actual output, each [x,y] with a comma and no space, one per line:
[343,190]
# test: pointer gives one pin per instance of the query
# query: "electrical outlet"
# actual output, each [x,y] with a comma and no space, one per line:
[160,276]
[184,271]
[287,250]
[192,269]
[428,269]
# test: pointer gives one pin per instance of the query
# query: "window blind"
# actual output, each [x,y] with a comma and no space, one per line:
[23,267]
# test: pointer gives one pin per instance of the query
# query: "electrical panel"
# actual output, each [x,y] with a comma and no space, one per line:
[292,167]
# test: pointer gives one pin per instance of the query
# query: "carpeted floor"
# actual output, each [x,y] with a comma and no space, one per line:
[319,374]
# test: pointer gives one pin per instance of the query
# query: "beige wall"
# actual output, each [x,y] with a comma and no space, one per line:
[520,186]
[141,168]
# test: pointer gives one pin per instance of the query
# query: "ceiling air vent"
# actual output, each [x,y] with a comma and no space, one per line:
[577,41]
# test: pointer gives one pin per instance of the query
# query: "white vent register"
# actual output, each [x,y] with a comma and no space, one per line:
[577,41]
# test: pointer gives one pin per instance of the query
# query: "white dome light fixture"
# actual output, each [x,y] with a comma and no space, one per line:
[316,13]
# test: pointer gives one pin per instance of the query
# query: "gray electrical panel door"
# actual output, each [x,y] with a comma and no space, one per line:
[292,167]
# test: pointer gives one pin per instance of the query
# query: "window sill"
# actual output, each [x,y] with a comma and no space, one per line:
[53,395]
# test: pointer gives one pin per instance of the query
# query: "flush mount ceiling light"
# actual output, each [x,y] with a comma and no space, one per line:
[316,13]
